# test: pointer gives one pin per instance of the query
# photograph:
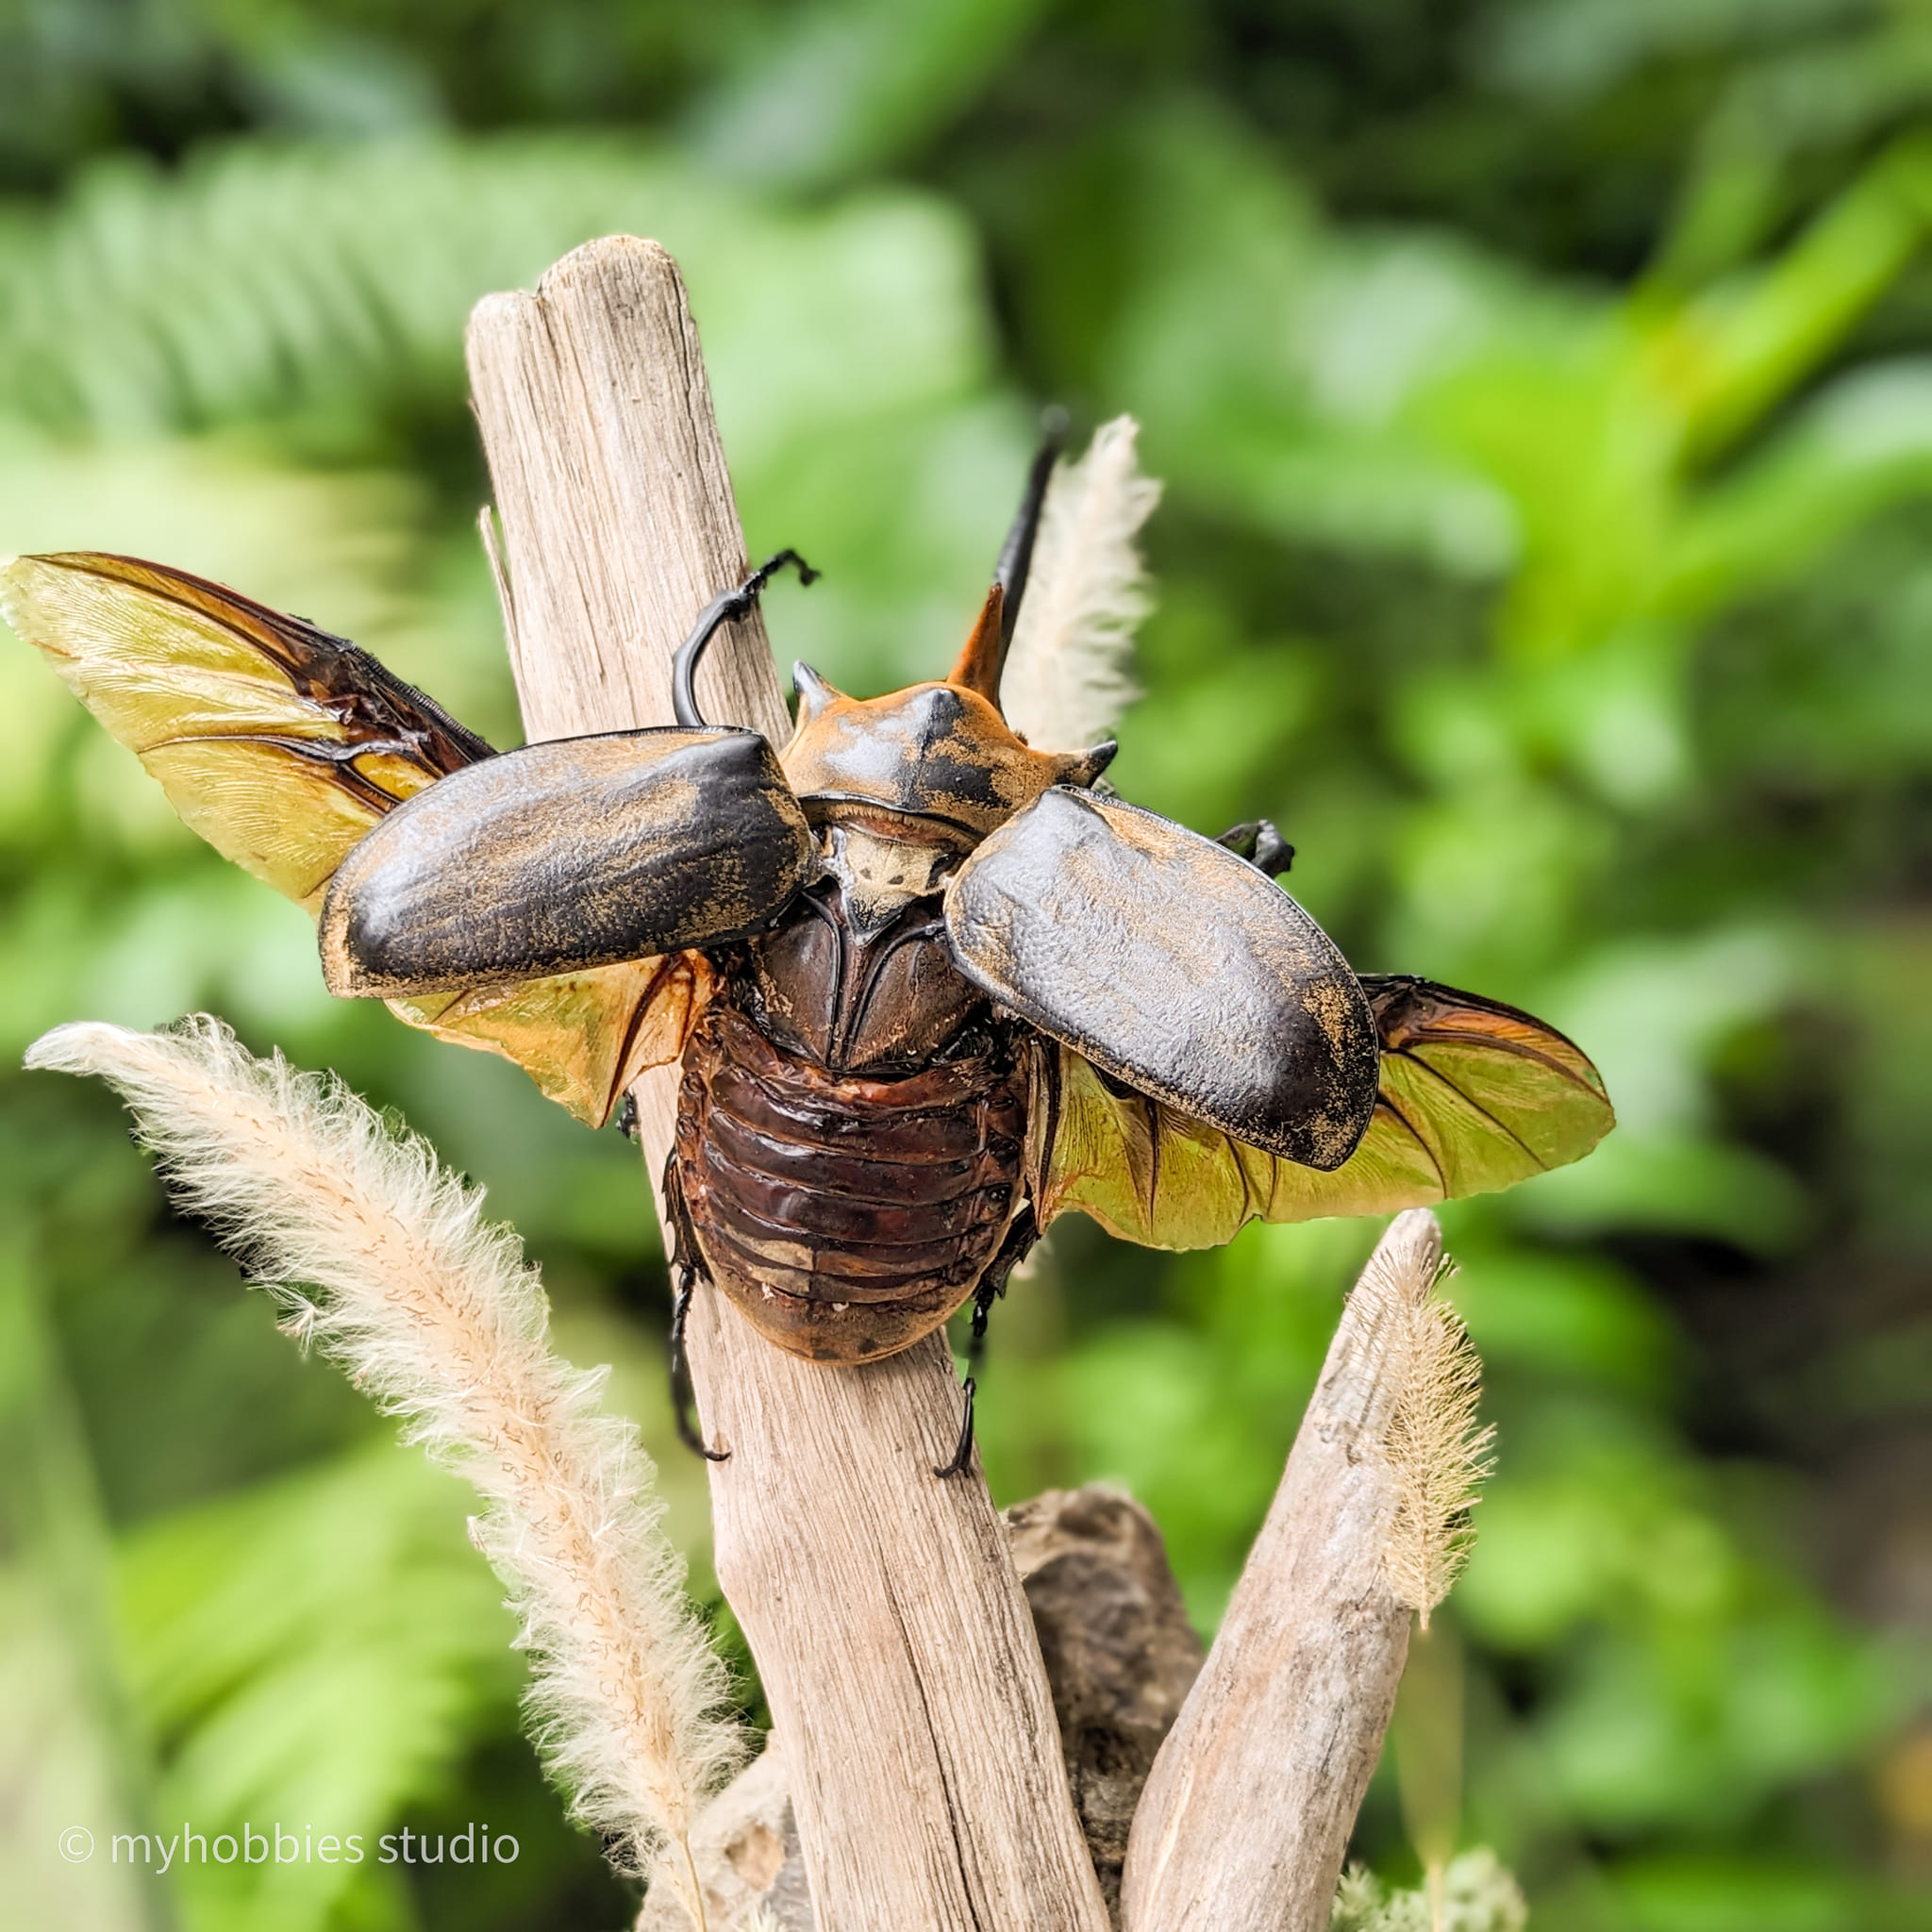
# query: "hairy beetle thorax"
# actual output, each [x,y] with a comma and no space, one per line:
[858,976]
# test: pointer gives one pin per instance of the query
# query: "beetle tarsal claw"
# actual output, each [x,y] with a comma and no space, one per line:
[722,609]
[963,1454]
[1260,845]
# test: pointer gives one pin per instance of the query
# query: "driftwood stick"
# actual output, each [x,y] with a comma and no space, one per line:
[1120,1655]
[890,1628]
[1245,1818]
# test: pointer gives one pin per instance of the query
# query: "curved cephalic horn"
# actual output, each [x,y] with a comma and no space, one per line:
[985,654]
[978,664]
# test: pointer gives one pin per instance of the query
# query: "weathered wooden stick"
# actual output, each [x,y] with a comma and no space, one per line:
[890,1628]
[1245,1818]
[1120,1655]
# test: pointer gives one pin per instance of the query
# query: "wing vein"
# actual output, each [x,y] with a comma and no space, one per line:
[1407,1126]
[1476,1106]
[639,1013]
[1488,1043]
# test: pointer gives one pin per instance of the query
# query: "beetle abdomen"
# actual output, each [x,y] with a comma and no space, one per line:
[847,1215]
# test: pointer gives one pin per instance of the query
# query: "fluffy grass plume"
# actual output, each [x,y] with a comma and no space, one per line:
[1068,677]
[384,1262]
[1437,1449]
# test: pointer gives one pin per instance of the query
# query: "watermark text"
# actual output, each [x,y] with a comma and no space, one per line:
[280,1845]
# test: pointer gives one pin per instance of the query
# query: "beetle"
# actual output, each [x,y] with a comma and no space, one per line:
[929,987]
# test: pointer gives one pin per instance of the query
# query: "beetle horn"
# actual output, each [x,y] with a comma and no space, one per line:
[721,610]
[814,694]
[985,654]
[1081,768]
[1016,552]
[979,663]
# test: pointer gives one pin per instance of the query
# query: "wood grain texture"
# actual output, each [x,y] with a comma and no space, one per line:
[1120,1654]
[1245,1818]
[890,1628]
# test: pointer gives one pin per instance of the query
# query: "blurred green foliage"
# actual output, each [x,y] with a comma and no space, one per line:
[1544,394]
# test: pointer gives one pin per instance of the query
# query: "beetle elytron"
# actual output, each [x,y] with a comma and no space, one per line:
[930,986]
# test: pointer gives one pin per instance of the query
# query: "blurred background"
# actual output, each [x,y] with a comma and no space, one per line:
[1543,392]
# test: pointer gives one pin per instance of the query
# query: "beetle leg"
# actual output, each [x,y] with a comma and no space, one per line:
[1022,1236]
[685,1269]
[963,1454]
[680,1374]
[723,608]
[1021,1233]
[1260,845]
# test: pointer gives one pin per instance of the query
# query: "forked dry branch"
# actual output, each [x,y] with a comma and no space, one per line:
[888,1624]
[1245,1818]
[891,1630]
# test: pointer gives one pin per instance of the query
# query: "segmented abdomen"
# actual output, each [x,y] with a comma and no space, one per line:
[848,1215]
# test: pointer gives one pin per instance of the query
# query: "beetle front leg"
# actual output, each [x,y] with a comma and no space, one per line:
[686,1269]
[1260,845]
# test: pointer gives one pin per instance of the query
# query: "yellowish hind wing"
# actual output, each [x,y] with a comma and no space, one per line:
[1473,1096]
[282,745]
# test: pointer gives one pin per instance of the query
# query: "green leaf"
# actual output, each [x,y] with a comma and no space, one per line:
[847,84]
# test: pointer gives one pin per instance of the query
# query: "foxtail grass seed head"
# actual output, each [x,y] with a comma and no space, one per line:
[1069,676]
[382,1260]
[1437,1450]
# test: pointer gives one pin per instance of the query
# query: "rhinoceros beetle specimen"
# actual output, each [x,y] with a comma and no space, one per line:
[929,986]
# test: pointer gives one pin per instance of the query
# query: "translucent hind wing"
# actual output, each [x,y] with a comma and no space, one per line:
[582,1037]
[1473,1096]
[284,746]
[279,743]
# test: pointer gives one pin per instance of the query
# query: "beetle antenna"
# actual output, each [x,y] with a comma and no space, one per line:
[722,609]
[1016,552]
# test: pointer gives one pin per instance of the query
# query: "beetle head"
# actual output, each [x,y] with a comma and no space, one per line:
[939,753]
[934,752]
